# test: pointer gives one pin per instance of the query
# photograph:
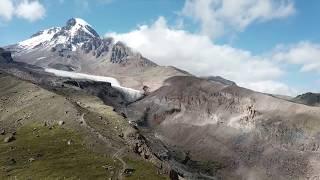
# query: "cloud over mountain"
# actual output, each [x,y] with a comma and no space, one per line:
[199,55]
[305,54]
[30,10]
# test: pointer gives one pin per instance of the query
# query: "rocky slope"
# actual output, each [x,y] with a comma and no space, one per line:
[65,133]
[229,132]
[311,99]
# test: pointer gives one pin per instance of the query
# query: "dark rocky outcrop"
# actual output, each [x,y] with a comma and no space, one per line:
[5,56]
[120,53]
[97,46]
[62,67]
[311,99]
[103,90]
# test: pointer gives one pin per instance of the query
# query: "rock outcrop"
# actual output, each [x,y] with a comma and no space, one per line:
[5,56]
[311,99]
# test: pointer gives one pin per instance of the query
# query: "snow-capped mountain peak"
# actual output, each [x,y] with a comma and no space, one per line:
[39,38]
[71,41]
[75,25]
[81,22]
[76,32]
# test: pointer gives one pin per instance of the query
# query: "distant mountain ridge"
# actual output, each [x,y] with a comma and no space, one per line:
[76,46]
[221,80]
[76,35]
[311,99]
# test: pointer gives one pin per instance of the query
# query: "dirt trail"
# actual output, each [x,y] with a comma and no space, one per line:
[117,156]
[101,137]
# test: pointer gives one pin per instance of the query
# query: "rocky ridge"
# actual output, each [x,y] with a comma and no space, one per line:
[311,99]
[5,56]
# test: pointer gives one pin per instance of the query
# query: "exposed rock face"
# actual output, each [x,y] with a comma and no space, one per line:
[5,56]
[311,99]
[97,46]
[102,90]
[238,133]
[140,146]
[119,53]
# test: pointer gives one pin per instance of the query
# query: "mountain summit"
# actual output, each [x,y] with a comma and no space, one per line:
[76,36]
[73,35]
[76,46]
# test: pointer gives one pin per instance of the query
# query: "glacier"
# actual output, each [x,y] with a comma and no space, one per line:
[130,94]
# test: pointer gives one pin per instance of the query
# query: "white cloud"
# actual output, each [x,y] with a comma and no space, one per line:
[86,4]
[217,17]
[305,54]
[30,10]
[200,56]
[272,87]
[6,9]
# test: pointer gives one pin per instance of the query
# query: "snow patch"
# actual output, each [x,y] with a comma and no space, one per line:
[42,38]
[80,24]
[39,58]
[47,37]
[130,94]
[60,40]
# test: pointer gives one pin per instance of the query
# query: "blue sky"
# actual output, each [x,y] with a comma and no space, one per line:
[268,45]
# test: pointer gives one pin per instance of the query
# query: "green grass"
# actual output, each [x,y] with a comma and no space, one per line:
[54,159]
[142,171]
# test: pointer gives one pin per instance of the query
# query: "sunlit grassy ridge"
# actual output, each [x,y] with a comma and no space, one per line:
[53,158]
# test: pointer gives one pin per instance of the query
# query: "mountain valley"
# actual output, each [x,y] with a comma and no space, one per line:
[145,120]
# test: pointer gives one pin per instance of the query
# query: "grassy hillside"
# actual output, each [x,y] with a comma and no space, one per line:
[44,150]
[42,153]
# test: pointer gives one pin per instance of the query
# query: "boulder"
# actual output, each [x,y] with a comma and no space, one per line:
[12,161]
[9,138]
[107,167]
[60,123]
[30,160]
[128,171]
[69,142]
